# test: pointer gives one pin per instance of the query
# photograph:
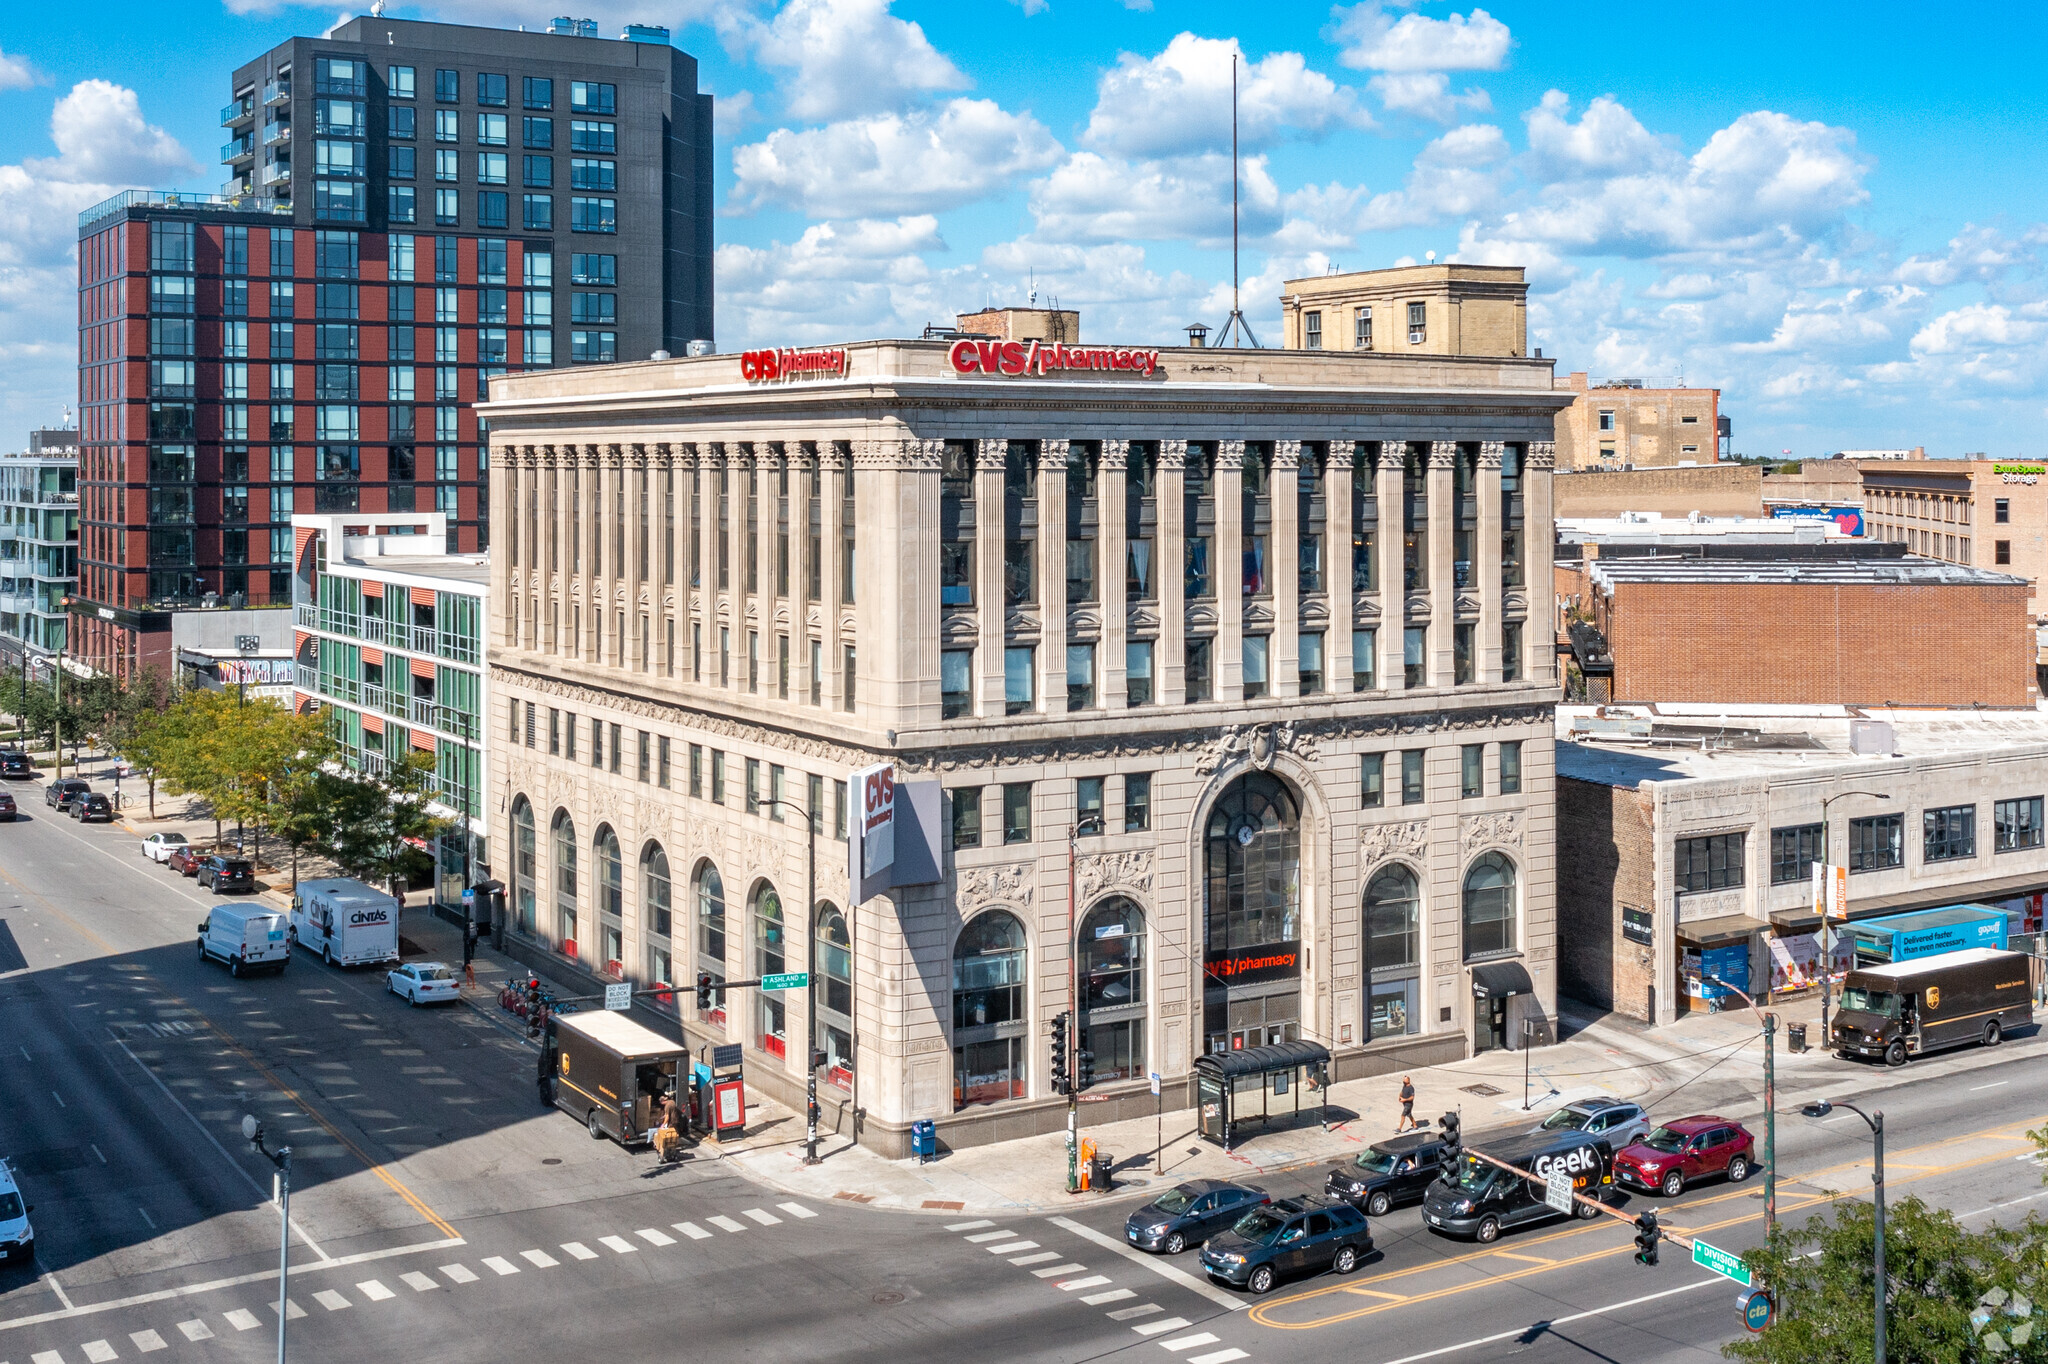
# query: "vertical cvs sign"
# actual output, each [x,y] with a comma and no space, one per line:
[872,839]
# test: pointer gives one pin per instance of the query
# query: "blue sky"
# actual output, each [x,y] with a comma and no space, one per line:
[1835,213]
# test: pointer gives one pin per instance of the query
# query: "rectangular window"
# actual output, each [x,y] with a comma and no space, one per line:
[589,172]
[1312,331]
[1372,780]
[492,209]
[447,86]
[1877,843]
[492,89]
[643,766]
[1254,666]
[404,160]
[1417,323]
[1080,677]
[1948,833]
[2001,551]
[847,677]
[967,817]
[616,748]
[2016,824]
[1511,651]
[1017,812]
[596,742]
[400,82]
[537,133]
[1606,419]
[1138,672]
[717,777]
[592,309]
[697,771]
[539,93]
[1463,663]
[1137,802]
[492,168]
[1088,808]
[1196,670]
[1710,863]
[1364,660]
[1311,664]
[402,121]
[1412,792]
[956,683]
[1019,679]
[538,172]
[587,267]
[492,130]
[1471,770]
[1415,655]
[588,136]
[1794,850]
[1511,767]
[661,762]
[1361,330]
[2001,510]
[590,97]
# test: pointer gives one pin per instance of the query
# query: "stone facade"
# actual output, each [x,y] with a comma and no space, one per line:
[1622,425]
[1409,310]
[1121,605]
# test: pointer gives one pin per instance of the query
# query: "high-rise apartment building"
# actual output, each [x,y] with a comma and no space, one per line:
[38,544]
[411,209]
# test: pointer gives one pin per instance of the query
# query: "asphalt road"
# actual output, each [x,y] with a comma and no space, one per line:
[438,1214]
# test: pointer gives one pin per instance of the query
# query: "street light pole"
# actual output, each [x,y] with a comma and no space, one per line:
[282,1159]
[1770,1024]
[1826,956]
[1074,1007]
[1874,1120]
[810,976]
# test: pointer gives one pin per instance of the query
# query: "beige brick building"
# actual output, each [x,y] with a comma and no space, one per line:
[1621,424]
[1410,310]
[1258,625]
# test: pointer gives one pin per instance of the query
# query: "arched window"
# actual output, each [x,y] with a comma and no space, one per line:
[989,1027]
[1393,952]
[656,912]
[711,935]
[565,881]
[835,1001]
[525,874]
[770,959]
[1252,916]
[1112,962]
[611,902]
[1490,906]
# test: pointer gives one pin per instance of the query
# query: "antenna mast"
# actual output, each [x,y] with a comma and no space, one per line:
[1236,320]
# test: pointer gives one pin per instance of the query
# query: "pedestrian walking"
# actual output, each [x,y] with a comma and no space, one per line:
[1407,1105]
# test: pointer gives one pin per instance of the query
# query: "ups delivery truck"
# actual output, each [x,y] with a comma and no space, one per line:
[611,1072]
[1911,1007]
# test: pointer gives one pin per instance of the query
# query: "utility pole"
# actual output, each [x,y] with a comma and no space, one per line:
[811,1053]
[1827,959]
[1770,1026]
[282,1159]
[1074,1012]
[1874,1120]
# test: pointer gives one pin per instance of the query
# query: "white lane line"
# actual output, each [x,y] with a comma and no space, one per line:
[1011,1247]
[797,1210]
[539,1259]
[330,1300]
[242,1319]
[1153,1328]
[103,1156]
[1499,1336]
[146,1217]
[499,1265]
[58,1289]
[1143,1309]
[1179,1343]
[1994,1207]
[1219,1357]
[766,1219]
[726,1224]
[1156,1264]
[1040,1258]
[1051,1270]
[1975,1088]
[987,1236]
[692,1230]
[579,1250]
[1113,1295]
[969,1226]
[147,1341]
[59,1098]
[1086,1281]
[618,1245]
[662,1238]
[417,1282]
[459,1273]
[374,1291]
[99,1352]
[195,1330]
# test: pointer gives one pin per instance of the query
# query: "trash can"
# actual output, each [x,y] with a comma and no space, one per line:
[1795,1036]
[924,1140]
[1099,1180]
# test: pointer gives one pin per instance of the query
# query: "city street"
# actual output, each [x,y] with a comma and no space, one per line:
[439,1214]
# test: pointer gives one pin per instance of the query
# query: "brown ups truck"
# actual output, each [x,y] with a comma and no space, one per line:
[1951,1000]
[611,1072]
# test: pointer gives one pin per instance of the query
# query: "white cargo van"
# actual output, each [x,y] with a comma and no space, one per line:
[245,937]
[346,922]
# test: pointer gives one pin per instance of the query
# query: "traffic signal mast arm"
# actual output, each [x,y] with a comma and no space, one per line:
[1677,1238]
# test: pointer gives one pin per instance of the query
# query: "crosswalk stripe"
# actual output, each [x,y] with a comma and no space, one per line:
[498,1264]
[46,1357]
[147,1341]
[1040,1258]
[726,1224]
[1153,1328]
[292,1310]
[99,1352]
[374,1291]
[1013,1246]
[1219,1357]
[655,1238]
[766,1219]
[692,1230]
[459,1273]
[1144,1309]
[539,1259]
[328,1299]
[1051,1270]
[1188,1342]
[987,1236]
[618,1245]
[579,1250]
[418,1282]
[796,1210]
[969,1226]
[1113,1295]
[242,1319]
[1088,1281]
[195,1330]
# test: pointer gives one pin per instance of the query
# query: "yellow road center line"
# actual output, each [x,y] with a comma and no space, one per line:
[1532,1259]
[1375,1293]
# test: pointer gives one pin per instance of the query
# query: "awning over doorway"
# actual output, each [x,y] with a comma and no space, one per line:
[1726,928]
[1499,979]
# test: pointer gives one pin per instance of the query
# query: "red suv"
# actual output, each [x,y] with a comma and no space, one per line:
[1683,1151]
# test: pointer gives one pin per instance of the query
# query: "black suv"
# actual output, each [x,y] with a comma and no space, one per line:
[1304,1235]
[15,763]
[1186,1214]
[1396,1171]
[92,807]
[226,873]
[60,793]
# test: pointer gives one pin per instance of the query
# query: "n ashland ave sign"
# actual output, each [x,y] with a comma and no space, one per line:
[1042,357]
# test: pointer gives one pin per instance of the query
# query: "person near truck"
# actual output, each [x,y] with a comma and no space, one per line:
[1407,1106]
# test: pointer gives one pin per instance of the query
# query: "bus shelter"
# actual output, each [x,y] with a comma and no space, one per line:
[1233,1088]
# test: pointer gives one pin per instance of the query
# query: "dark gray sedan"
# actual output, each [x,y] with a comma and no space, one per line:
[1187,1214]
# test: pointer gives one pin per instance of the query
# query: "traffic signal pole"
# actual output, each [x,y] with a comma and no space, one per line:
[1074,1014]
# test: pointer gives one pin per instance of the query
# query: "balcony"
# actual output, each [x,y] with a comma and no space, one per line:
[241,109]
[241,149]
[277,135]
[306,614]
[277,92]
[276,175]
[157,198]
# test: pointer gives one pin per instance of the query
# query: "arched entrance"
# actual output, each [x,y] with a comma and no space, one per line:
[1251,916]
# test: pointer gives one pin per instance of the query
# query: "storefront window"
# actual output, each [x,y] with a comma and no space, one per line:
[769,960]
[989,1028]
[835,1001]
[565,882]
[1112,963]
[711,936]
[1490,906]
[1251,919]
[1393,947]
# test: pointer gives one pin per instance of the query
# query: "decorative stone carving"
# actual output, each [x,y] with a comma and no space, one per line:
[1286,456]
[612,456]
[1378,842]
[1126,871]
[979,886]
[636,457]
[1115,456]
[1443,454]
[1491,452]
[1229,455]
[1257,744]
[1500,829]
[1542,454]
[1173,456]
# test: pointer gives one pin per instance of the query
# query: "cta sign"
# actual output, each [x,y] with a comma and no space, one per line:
[1044,357]
[773,366]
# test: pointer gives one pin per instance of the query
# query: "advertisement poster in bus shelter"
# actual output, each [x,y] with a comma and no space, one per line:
[1795,960]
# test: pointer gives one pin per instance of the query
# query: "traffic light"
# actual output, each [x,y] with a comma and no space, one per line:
[1084,1068]
[1450,1138]
[1059,1055]
[1647,1237]
[704,990]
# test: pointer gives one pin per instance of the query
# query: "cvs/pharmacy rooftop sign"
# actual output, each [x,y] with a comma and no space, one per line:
[995,358]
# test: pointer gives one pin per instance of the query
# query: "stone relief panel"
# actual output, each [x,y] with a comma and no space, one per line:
[980,886]
[1125,871]
[1256,744]
[1501,829]
[1377,842]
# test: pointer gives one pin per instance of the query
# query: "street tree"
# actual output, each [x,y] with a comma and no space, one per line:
[375,827]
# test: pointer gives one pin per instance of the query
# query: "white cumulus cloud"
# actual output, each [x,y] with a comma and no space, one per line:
[17,72]
[1458,174]
[1179,101]
[1375,41]
[1427,94]
[843,57]
[1089,197]
[1607,139]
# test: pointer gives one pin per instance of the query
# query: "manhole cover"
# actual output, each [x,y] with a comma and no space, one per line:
[889,1299]
[551,1160]
[1483,1090]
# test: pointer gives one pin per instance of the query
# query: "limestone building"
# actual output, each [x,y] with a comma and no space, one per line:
[1625,424]
[1410,310]
[1241,645]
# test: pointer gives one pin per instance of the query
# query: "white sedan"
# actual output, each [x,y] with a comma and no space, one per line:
[159,847]
[425,982]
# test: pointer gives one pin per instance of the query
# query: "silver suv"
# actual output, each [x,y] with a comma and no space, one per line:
[1617,1120]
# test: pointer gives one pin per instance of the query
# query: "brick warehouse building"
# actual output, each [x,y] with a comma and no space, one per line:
[413,208]
[1849,625]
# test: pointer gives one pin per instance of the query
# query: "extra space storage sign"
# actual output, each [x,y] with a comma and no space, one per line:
[998,358]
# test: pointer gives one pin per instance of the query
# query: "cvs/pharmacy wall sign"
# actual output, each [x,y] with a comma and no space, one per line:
[1043,357]
[765,366]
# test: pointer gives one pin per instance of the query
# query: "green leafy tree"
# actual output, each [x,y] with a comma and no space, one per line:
[373,825]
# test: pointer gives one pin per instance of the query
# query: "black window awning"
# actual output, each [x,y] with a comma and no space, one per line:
[1499,979]
[1263,1060]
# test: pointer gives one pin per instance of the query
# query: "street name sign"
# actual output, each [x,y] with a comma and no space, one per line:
[1720,1261]
[794,980]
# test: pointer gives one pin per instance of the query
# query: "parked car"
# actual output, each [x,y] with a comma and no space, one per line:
[60,793]
[1186,1214]
[92,808]
[1389,1172]
[185,859]
[1303,1235]
[15,763]
[221,874]
[424,982]
[1615,1119]
[1686,1150]
[1474,1198]
[17,1237]
[7,809]
[159,847]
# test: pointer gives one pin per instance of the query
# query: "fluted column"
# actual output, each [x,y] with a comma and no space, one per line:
[1538,549]
[990,607]
[1393,508]
[1337,475]
[740,464]
[1052,576]
[607,560]
[1111,587]
[505,630]
[1487,563]
[589,495]
[710,469]
[1170,570]
[1228,566]
[641,511]
[835,463]
[1283,564]
[1443,576]
[556,484]
[803,486]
